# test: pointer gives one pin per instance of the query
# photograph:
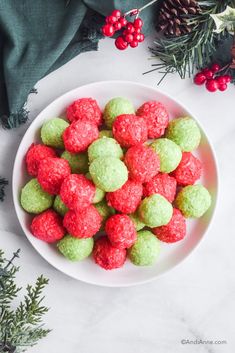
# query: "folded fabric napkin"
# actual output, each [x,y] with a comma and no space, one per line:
[37,37]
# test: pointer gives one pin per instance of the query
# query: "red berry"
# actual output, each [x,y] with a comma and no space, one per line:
[117,26]
[138,23]
[130,28]
[199,79]
[134,44]
[141,37]
[116,13]
[223,87]
[111,19]
[128,38]
[209,74]
[134,12]
[228,78]
[123,21]
[221,80]
[215,68]
[120,43]
[212,85]
[138,30]
[108,30]
[136,36]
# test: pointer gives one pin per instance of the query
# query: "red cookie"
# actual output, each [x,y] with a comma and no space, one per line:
[84,223]
[79,135]
[85,109]
[47,226]
[34,155]
[77,191]
[127,198]
[162,184]
[108,256]
[51,173]
[189,170]
[157,118]
[121,231]
[130,130]
[174,231]
[142,162]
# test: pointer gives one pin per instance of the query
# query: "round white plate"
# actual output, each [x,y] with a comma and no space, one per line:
[171,254]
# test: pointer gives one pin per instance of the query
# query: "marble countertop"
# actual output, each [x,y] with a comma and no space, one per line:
[195,301]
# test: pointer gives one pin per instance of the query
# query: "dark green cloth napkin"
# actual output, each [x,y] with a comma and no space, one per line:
[38,36]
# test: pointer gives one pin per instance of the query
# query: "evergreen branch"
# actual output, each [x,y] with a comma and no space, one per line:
[22,327]
[193,50]
[3,183]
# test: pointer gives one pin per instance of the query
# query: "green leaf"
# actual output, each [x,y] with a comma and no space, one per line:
[225,20]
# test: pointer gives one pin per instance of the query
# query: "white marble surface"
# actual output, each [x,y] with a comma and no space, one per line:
[194,301]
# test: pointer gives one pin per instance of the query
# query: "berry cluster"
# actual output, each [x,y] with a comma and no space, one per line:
[212,78]
[131,34]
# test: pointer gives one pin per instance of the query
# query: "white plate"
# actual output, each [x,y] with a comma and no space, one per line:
[171,255]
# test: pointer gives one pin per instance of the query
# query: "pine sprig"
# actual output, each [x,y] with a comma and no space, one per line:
[3,183]
[22,327]
[194,50]
[8,288]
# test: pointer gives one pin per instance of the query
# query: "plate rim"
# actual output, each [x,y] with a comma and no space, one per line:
[216,198]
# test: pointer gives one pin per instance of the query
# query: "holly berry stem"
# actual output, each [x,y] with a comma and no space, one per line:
[225,67]
[137,11]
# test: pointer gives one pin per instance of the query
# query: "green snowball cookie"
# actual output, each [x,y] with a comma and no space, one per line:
[108,173]
[51,132]
[105,133]
[115,107]
[155,211]
[104,210]
[34,199]
[145,250]
[59,206]
[99,194]
[136,220]
[193,201]
[78,162]
[104,147]
[75,249]
[169,154]
[185,132]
